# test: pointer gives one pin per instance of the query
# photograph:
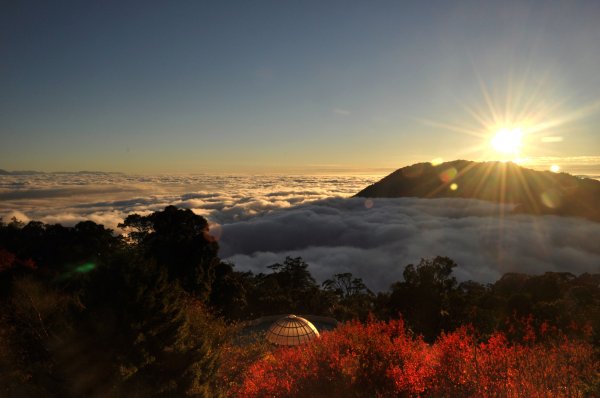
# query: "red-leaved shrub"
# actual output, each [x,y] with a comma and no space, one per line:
[383,359]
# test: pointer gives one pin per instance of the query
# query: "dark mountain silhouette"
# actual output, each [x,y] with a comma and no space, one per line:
[35,172]
[18,172]
[535,192]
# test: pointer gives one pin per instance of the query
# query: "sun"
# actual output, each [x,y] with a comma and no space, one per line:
[514,124]
[507,141]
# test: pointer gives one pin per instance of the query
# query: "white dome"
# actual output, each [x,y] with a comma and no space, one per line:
[291,330]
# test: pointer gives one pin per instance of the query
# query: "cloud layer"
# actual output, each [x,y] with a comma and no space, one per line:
[109,198]
[262,219]
[376,240]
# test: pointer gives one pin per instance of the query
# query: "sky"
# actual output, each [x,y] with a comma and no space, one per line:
[263,86]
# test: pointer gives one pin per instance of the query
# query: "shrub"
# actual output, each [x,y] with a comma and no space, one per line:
[383,359]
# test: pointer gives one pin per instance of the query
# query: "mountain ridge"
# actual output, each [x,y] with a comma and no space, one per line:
[4,172]
[532,191]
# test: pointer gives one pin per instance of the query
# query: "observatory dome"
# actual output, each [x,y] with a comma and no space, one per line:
[291,330]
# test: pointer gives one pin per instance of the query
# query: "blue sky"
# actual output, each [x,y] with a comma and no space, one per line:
[289,85]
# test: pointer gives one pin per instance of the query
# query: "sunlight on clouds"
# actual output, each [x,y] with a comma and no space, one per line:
[14,214]
[586,166]
[108,199]
[552,139]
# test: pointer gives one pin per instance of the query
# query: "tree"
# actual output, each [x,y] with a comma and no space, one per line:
[60,249]
[230,290]
[353,299]
[33,318]
[178,240]
[424,297]
[289,288]
[133,337]
[117,326]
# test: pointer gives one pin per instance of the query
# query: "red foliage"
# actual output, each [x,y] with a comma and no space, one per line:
[380,359]
[526,330]
[9,260]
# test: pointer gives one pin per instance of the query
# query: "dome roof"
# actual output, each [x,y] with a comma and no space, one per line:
[291,330]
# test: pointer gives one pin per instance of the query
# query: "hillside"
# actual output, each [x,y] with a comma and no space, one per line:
[534,192]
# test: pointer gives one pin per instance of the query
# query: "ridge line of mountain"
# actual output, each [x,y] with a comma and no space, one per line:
[36,172]
[531,191]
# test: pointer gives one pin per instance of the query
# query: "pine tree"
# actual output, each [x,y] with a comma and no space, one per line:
[133,338]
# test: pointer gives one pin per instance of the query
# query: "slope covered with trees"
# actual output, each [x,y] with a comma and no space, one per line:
[85,312]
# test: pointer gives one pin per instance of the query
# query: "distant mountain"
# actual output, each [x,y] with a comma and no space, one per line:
[535,192]
[19,172]
[34,172]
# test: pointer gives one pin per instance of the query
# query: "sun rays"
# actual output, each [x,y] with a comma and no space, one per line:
[516,119]
[516,190]
[512,122]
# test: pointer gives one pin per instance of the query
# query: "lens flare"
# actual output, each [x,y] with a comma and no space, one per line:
[85,268]
[551,199]
[448,174]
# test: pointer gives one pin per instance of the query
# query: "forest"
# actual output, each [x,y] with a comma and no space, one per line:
[86,312]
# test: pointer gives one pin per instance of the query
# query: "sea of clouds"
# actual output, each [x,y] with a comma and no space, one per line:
[260,220]
[107,198]
[376,241]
